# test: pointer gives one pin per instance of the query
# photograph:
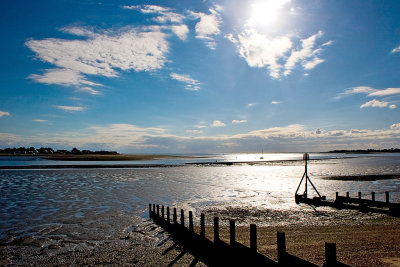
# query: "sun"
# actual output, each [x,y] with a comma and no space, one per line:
[266,13]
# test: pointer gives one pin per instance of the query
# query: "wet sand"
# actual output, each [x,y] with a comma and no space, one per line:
[374,241]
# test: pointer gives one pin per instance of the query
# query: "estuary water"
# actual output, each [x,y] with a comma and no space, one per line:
[58,207]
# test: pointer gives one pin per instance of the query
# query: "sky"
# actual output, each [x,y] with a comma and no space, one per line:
[200,76]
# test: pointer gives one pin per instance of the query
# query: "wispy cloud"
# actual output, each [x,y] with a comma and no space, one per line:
[103,54]
[39,120]
[89,90]
[275,102]
[208,27]
[4,113]
[70,108]
[395,126]
[385,92]
[396,50]
[260,50]
[163,14]
[195,131]
[191,84]
[218,123]
[239,121]
[375,104]
[128,137]
[251,105]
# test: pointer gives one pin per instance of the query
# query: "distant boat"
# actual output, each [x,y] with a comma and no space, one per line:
[262,154]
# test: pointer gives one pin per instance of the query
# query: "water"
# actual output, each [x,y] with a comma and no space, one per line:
[58,206]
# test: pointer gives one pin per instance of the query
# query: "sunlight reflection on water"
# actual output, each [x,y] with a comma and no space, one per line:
[30,198]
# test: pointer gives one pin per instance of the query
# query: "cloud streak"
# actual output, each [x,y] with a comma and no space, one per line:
[190,83]
[4,113]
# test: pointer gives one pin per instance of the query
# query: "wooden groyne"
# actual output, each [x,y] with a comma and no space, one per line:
[219,253]
[358,203]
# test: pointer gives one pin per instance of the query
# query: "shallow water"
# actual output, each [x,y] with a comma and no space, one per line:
[71,205]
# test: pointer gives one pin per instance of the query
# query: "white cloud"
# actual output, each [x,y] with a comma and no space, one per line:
[70,108]
[275,102]
[251,105]
[191,84]
[180,30]
[375,104]
[4,113]
[385,92]
[260,50]
[396,50]
[194,131]
[239,121]
[65,77]
[218,123]
[87,89]
[395,126]
[393,106]
[306,54]
[103,54]
[208,26]
[39,120]
[163,14]
[129,138]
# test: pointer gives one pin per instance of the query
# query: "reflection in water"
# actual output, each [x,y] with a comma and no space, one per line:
[98,204]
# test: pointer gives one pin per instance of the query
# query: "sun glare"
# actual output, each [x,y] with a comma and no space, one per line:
[265,13]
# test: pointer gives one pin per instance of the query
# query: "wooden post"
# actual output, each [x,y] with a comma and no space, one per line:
[154,209]
[162,212]
[216,230]
[253,237]
[281,241]
[387,197]
[359,195]
[337,195]
[191,228]
[202,226]
[158,210]
[167,214]
[150,211]
[182,218]
[174,218]
[347,195]
[330,254]
[373,196]
[232,232]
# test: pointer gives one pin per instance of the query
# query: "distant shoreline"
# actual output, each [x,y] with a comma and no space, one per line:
[99,157]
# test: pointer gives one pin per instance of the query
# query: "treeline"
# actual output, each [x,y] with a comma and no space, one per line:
[390,150]
[49,150]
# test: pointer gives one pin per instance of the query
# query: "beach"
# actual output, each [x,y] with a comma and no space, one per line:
[99,216]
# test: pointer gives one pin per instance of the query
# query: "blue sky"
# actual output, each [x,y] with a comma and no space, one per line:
[200,76]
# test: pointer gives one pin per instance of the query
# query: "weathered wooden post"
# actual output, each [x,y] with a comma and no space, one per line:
[253,237]
[330,254]
[347,195]
[337,196]
[281,242]
[232,232]
[174,217]
[162,212]
[387,197]
[191,228]
[202,226]
[167,214]
[158,210]
[216,230]
[182,218]
[150,211]
[373,196]
[359,195]
[154,209]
